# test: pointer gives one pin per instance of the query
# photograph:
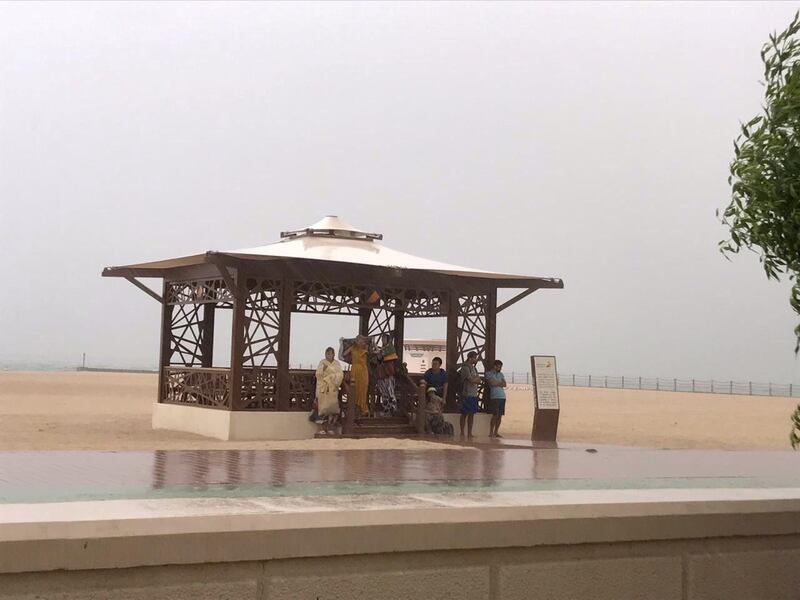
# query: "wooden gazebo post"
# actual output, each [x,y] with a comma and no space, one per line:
[238,329]
[452,350]
[491,329]
[207,335]
[166,341]
[285,305]
[399,332]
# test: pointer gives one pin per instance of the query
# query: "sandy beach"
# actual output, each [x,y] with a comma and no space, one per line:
[111,411]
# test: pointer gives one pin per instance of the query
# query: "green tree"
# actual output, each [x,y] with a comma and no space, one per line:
[764,213]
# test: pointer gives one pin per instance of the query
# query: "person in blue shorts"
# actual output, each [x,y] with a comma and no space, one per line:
[497,396]
[470,380]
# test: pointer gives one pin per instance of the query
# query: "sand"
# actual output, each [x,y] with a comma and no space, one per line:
[663,419]
[111,411]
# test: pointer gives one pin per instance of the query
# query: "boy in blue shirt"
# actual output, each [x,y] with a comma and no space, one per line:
[497,396]
[436,377]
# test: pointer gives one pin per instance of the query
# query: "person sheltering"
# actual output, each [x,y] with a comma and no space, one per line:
[434,419]
[329,379]
[359,375]
[436,377]
[497,397]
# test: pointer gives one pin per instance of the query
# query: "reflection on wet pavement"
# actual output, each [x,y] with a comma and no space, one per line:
[49,476]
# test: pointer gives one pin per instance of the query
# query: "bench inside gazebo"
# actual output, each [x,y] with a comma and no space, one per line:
[328,268]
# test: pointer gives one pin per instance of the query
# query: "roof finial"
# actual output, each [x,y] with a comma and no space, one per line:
[332,226]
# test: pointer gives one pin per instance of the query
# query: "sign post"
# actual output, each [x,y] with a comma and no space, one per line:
[546,405]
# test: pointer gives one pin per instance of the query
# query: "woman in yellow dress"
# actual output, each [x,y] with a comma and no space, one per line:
[359,374]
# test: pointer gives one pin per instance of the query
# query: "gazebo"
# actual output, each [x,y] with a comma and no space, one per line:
[327,268]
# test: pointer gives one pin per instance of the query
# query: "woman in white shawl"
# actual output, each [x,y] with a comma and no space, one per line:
[329,380]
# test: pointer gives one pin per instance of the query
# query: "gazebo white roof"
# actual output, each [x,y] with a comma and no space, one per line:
[334,240]
[346,244]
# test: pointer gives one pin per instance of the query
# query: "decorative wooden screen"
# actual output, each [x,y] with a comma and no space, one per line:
[472,326]
[199,292]
[190,305]
[186,335]
[262,321]
[326,298]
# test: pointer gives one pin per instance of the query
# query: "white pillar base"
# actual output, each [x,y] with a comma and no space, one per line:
[480,424]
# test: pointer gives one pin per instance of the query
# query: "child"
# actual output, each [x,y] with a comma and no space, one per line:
[435,422]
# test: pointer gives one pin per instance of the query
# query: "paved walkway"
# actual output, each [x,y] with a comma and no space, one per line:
[510,466]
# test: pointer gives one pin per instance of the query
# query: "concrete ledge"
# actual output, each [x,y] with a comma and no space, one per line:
[115,534]
[606,545]
[233,425]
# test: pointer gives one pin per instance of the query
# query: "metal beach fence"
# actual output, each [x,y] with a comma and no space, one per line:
[673,384]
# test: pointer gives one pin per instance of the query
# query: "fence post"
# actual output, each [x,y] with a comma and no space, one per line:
[623,382]
[712,386]
[790,390]
[640,382]
[750,387]
[573,380]
[675,384]
[692,384]
[605,381]
[658,384]
[770,388]
[590,381]
[730,387]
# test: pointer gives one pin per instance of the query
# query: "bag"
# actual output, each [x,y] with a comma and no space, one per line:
[389,352]
[385,369]
[462,382]
[438,426]
[402,370]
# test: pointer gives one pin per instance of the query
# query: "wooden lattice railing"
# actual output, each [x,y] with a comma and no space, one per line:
[259,389]
[196,386]
[210,388]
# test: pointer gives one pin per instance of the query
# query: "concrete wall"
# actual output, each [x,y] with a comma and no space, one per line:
[752,568]
[258,425]
[233,425]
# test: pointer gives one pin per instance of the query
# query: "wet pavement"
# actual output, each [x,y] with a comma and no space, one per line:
[84,475]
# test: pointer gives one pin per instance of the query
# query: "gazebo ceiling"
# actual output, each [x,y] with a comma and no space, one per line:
[330,240]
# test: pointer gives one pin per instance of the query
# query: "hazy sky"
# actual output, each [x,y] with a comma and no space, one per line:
[585,141]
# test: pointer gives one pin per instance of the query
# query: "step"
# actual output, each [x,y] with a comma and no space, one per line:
[382,421]
[361,435]
[384,429]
